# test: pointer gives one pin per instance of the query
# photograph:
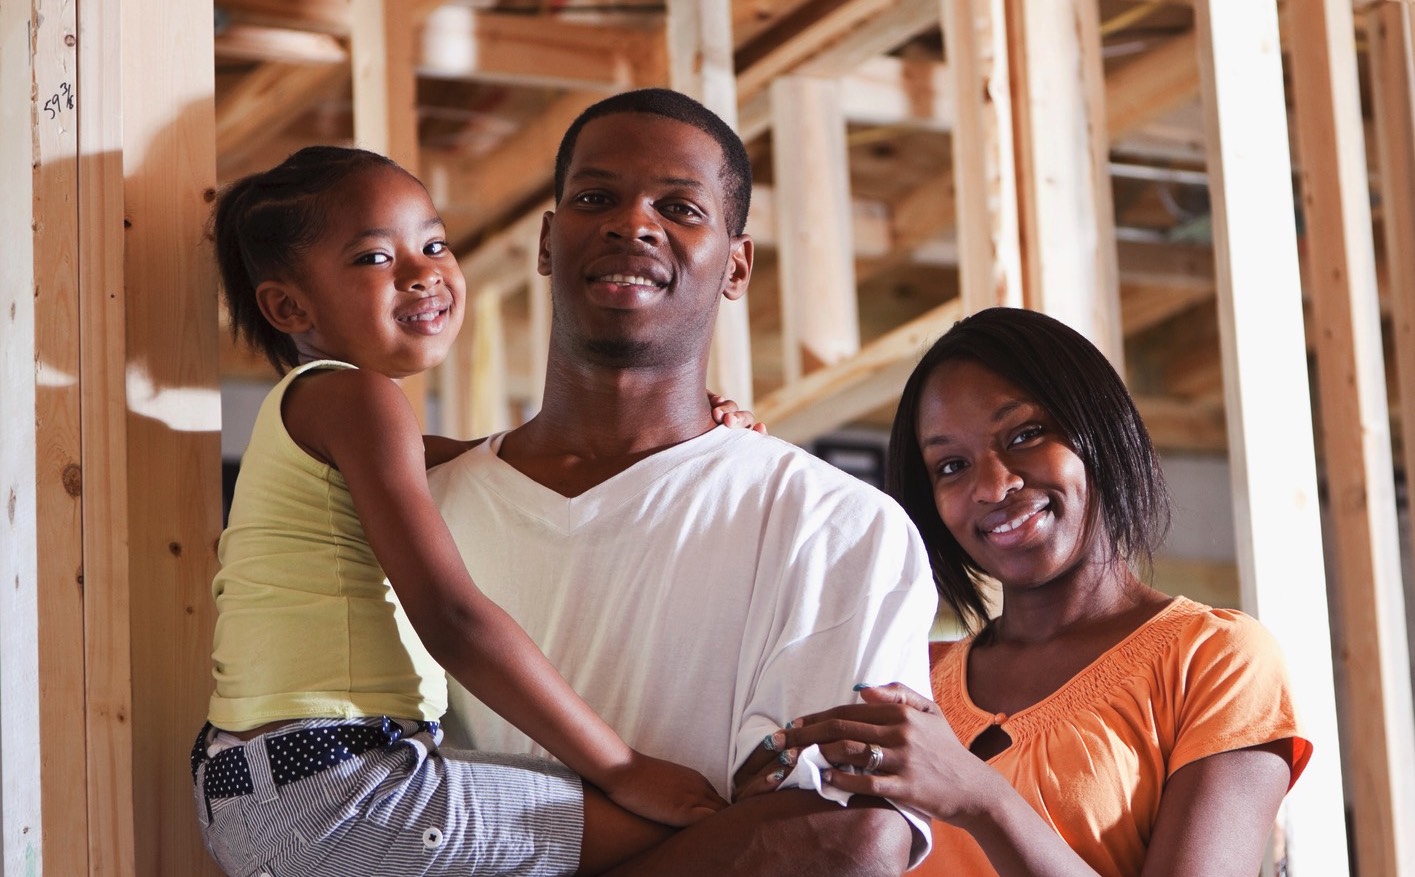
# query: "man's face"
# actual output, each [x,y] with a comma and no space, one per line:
[638,249]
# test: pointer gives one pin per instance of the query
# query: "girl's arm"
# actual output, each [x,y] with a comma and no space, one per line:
[1215,814]
[361,423]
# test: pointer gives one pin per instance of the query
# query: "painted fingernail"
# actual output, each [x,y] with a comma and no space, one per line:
[863,685]
[787,758]
[771,742]
[789,725]
[778,775]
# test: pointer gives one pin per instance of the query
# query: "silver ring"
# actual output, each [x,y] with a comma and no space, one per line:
[876,758]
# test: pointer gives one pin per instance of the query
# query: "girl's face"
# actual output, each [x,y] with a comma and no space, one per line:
[381,288]
[1006,483]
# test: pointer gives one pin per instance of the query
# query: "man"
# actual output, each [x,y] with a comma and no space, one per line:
[698,586]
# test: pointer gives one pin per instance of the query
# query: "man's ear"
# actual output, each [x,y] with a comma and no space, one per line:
[543,248]
[739,268]
[281,308]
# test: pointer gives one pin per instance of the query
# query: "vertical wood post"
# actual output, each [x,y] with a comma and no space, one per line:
[21,791]
[1068,215]
[381,38]
[488,375]
[700,65]
[1374,657]
[1391,32]
[984,166]
[1265,383]
[820,310]
[174,420]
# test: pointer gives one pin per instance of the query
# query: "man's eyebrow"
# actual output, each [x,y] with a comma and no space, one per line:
[595,173]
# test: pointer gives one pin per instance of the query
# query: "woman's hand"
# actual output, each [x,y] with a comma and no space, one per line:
[920,761]
[726,412]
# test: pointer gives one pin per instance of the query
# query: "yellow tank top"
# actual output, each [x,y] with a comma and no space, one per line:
[307,626]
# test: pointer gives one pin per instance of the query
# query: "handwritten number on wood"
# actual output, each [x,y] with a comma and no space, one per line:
[61,100]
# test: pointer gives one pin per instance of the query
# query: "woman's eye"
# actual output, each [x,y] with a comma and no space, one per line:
[1026,435]
[949,467]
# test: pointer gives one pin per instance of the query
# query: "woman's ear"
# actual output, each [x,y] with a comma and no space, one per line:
[282,308]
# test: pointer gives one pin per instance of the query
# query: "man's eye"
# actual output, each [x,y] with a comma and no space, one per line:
[680,209]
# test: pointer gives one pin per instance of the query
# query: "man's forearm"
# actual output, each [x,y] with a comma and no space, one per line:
[787,832]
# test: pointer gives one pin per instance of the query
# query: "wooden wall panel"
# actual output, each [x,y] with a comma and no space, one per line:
[174,419]
[1265,384]
[20,741]
[1373,657]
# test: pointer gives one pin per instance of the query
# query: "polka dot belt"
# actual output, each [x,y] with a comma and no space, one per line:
[295,755]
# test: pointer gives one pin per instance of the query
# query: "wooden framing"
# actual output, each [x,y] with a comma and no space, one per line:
[1067,217]
[1374,656]
[21,813]
[1264,375]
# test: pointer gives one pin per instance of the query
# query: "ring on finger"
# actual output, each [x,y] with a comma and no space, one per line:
[876,758]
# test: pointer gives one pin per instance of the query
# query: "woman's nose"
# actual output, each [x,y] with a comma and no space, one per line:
[994,479]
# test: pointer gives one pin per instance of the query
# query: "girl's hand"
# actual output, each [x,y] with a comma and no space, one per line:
[726,412]
[663,791]
[921,762]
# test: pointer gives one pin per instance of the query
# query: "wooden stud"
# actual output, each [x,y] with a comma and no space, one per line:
[62,711]
[103,423]
[1374,658]
[260,106]
[1142,90]
[1068,223]
[21,743]
[1390,31]
[385,106]
[1265,382]
[984,170]
[249,42]
[489,405]
[820,312]
[700,64]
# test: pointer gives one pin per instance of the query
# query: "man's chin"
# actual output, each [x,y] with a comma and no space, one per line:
[622,352]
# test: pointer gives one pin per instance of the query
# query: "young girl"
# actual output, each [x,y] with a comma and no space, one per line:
[321,753]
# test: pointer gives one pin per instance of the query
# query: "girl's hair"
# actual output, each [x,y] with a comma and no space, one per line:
[1067,376]
[265,222]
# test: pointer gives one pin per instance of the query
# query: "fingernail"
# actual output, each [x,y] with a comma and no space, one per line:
[772,742]
[863,685]
[787,757]
[789,725]
[778,775]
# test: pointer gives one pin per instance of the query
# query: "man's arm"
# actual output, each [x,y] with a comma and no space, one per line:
[788,832]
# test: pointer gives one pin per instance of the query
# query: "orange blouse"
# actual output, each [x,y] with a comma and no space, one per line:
[1092,758]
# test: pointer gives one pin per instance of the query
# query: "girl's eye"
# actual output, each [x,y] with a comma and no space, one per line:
[949,467]
[436,248]
[373,259]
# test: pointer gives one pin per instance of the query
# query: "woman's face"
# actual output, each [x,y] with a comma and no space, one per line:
[1006,483]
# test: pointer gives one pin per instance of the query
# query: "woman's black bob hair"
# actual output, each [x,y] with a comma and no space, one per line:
[1063,372]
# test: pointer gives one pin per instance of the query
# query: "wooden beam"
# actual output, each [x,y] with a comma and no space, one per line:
[828,46]
[1374,653]
[173,423]
[385,107]
[322,16]
[22,796]
[984,167]
[839,393]
[1152,85]
[62,711]
[249,42]
[103,303]
[820,311]
[516,171]
[889,91]
[700,64]
[267,100]
[1265,382]
[458,42]
[1069,260]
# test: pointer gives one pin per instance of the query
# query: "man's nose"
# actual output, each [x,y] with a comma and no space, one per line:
[634,221]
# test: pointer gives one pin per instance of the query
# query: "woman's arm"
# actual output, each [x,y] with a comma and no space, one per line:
[361,423]
[1215,814]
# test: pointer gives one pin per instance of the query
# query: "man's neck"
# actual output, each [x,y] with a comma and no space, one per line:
[595,422]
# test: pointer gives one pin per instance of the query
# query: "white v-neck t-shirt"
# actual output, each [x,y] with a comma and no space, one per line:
[700,598]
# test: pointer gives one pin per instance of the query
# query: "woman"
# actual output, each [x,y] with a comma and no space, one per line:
[1095,725]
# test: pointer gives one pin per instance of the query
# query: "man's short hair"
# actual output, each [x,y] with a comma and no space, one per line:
[736,174]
